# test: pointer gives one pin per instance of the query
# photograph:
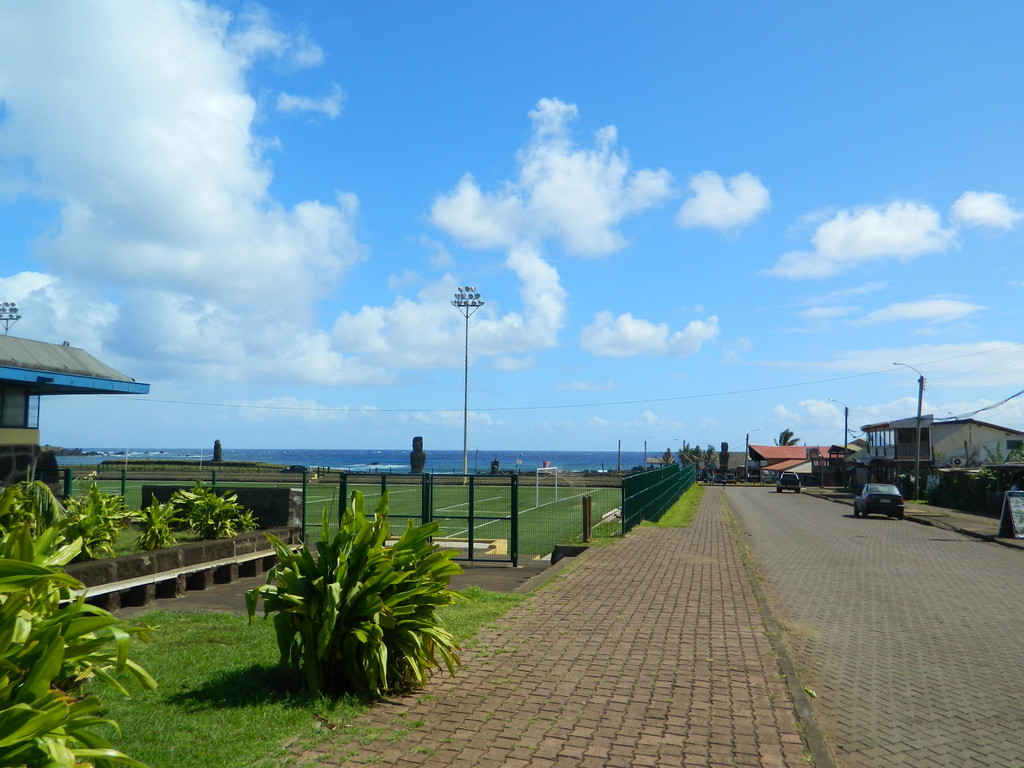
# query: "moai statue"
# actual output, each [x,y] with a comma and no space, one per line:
[218,455]
[417,458]
[723,458]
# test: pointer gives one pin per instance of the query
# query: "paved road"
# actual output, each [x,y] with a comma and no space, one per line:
[908,634]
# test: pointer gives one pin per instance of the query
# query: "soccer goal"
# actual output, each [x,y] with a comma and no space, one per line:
[549,472]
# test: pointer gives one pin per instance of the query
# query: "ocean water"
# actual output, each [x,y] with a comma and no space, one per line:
[385,460]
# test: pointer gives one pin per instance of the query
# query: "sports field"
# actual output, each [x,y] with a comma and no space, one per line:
[478,518]
[475,512]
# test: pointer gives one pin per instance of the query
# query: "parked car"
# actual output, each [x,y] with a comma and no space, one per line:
[788,481]
[881,498]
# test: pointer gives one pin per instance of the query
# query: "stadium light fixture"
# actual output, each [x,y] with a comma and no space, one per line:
[467,300]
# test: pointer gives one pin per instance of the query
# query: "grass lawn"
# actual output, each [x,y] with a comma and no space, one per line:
[222,701]
[681,514]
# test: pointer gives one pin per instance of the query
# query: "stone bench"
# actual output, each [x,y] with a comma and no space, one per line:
[142,579]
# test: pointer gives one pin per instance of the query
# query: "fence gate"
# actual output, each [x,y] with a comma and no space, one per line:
[478,514]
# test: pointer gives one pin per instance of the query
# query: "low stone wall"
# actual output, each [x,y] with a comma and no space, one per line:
[273,507]
[26,461]
[143,578]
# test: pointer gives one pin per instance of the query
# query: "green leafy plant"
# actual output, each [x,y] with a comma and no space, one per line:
[155,526]
[50,646]
[360,616]
[32,502]
[96,519]
[212,516]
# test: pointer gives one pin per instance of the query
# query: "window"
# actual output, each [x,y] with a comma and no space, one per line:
[19,408]
[1014,445]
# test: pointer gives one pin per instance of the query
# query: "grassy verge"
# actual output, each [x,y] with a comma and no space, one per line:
[681,513]
[222,700]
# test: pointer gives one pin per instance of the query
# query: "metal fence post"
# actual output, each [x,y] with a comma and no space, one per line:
[69,483]
[305,497]
[342,495]
[124,483]
[587,511]
[513,544]
[426,497]
[470,536]
[213,480]
[383,483]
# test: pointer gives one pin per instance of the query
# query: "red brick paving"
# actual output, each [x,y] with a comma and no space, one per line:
[651,652]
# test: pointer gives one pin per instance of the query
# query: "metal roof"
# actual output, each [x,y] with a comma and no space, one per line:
[780,452]
[60,369]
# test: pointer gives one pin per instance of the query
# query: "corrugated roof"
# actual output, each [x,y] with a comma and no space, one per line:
[40,356]
[60,369]
[787,465]
[779,452]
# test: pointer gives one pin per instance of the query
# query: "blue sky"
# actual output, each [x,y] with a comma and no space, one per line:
[689,221]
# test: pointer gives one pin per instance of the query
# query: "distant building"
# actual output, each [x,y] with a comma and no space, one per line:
[950,443]
[31,370]
[811,462]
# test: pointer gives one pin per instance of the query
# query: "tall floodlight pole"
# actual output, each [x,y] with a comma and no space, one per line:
[467,301]
[917,449]
[8,315]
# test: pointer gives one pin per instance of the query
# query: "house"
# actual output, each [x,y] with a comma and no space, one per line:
[31,370]
[946,443]
[808,461]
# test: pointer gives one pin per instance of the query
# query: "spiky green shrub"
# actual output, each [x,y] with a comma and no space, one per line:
[360,616]
[32,502]
[50,646]
[155,526]
[212,516]
[96,519]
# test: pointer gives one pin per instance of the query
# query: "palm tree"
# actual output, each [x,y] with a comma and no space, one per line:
[786,437]
[668,457]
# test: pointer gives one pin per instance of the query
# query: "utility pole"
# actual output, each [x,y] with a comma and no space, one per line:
[917,441]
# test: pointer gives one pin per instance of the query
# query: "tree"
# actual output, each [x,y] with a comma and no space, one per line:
[786,437]
[668,457]
[690,454]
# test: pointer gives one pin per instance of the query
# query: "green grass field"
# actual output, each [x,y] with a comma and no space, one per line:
[473,517]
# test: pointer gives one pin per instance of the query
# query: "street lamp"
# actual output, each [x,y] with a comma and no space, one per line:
[746,457]
[8,315]
[917,447]
[467,301]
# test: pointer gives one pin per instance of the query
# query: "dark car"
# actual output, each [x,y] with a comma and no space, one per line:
[788,481]
[880,498]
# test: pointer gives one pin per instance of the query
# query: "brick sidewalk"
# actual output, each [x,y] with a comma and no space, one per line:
[650,652]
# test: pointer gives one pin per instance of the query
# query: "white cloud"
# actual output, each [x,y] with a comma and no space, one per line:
[424,332]
[821,315]
[254,35]
[627,336]
[722,204]
[900,230]
[573,195]
[985,209]
[134,119]
[927,310]
[329,105]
